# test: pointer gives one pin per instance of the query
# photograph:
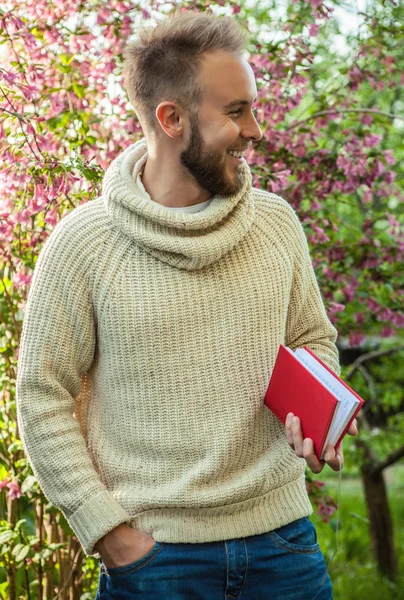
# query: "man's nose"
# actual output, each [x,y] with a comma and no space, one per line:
[252,130]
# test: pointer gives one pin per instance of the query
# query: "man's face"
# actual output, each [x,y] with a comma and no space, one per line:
[217,127]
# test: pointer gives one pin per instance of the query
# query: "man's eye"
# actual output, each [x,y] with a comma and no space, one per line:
[238,112]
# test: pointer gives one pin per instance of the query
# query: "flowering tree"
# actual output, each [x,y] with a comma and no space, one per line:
[330,146]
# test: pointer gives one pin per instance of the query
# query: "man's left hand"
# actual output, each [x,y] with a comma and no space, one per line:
[304,448]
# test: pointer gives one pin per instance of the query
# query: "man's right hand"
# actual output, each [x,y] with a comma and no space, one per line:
[123,545]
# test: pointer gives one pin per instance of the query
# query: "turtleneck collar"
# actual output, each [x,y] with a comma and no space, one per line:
[184,240]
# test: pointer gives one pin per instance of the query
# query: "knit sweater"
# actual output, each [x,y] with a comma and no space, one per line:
[148,342]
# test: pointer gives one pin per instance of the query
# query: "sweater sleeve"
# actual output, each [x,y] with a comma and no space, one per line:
[307,322]
[57,347]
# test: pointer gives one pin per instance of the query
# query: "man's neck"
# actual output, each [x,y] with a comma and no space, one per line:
[167,183]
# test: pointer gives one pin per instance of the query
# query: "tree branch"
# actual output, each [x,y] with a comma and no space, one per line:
[371,356]
[389,460]
[371,386]
[332,111]
[75,560]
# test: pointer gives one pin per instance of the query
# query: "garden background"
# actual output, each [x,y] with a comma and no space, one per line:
[330,103]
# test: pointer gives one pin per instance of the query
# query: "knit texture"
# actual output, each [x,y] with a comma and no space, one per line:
[148,342]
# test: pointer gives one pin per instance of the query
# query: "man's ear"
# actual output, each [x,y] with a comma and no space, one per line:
[171,118]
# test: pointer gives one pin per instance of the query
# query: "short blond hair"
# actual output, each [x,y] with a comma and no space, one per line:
[163,64]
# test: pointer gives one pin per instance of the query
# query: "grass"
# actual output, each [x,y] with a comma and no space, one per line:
[353,571]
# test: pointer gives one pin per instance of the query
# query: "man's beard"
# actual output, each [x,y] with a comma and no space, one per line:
[208,167]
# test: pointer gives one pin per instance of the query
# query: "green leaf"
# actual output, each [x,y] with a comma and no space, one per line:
[64,524]
[16,549]
[5,536]
[15,446]
[5,549]
[89,174]
[19,523]
[4,587]
[29,484]
[360,517]
[65,59]
[79,90]
[57,546]
[34,540]
[22,553]
[46,553]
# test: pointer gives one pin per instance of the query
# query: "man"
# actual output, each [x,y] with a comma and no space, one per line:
[155,314]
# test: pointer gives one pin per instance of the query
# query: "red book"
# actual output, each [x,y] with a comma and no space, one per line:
[302,384]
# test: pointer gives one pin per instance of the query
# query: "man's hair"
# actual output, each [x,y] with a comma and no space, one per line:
[163,64]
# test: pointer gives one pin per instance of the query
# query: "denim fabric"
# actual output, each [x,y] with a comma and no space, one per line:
[283,564]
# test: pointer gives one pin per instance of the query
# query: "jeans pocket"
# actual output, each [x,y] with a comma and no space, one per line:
[299,537]
[135,565]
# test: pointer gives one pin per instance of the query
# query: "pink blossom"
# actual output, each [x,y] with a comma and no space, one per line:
[316,3]
[392,221]
[376,85]
[334,308]
[389,157]
[282,176]
[389,177]
[387,331]
[309,487]
[367,196]
[378,167]
[51,217]
[14,490]
[314,30]
[372,140]
[21,279]
[385,315]
[367,119]
[398,319]
[356,338]
[319,484]
[13,23]
[372,305]
[371,263]
[3,483]
[350,290]
[325,510]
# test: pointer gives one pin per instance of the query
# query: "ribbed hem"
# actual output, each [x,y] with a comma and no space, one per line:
[95,518]
[251,517]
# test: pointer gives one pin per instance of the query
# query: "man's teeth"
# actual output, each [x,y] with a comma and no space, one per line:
[236,154]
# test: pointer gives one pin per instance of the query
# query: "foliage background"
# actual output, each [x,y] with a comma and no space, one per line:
[331,108]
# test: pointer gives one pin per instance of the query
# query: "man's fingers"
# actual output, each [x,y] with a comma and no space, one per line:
[353,428]
[288,425]
[315,465]
[304,448]
[334,457]
[297,436]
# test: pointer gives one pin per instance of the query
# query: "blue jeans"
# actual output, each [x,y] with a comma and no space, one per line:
[283,564]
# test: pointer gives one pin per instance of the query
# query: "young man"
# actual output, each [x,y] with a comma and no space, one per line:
[155,315]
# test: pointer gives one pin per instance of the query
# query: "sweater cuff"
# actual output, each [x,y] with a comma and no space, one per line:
[95,518]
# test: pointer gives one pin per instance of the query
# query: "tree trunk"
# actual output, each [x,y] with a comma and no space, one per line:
[77,579]
[11,571]
[49,588]
[381,527]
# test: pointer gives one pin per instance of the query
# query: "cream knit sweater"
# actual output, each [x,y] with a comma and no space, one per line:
[148,343]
